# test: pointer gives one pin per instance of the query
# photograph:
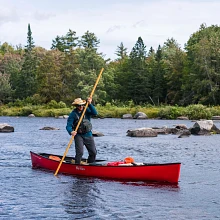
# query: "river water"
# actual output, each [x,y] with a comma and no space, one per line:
[28,193]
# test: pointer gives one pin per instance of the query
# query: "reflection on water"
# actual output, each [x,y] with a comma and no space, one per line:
[79,199]
[86,198]
[155,185]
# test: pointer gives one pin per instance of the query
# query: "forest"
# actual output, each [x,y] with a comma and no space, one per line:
[167,75]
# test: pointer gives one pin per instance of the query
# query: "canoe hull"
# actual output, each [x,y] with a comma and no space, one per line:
[168,172]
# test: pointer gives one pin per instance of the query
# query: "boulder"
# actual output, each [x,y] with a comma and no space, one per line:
[127,116]
[215,129]
[140,115]
[31,115]
[142,132]
[161,130]
[6,128]
[205,124]
[204,127]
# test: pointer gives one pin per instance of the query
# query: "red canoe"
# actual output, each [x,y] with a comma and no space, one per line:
[166,172]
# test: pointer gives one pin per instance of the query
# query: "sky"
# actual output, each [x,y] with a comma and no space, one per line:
[112,21]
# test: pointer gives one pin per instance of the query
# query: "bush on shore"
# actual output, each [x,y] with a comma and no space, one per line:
[54,109]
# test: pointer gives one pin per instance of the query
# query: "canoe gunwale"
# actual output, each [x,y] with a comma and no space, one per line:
[67,160]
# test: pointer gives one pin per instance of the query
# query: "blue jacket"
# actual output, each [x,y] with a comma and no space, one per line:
[90,111]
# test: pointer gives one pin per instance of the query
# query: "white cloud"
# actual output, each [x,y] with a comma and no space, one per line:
[8,15]
[113,22]
[42,16]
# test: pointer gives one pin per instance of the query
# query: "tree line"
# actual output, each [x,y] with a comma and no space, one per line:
[168,75]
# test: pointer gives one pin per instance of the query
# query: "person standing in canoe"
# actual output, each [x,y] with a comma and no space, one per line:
[83,136]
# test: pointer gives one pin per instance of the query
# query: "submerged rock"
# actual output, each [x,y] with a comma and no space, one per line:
[97,134]
[49,128]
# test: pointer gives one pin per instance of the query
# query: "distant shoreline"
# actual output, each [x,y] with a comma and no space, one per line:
[191,112]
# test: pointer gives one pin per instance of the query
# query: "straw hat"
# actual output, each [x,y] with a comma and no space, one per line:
[79,101]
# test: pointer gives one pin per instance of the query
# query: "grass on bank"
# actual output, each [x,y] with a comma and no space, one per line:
[54,109]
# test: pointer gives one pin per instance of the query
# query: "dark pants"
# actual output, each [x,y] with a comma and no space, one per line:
[90,146]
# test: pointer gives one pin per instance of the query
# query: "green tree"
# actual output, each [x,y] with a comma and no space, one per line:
[68,66]
[12,65]
[138,52]
[6,48]
[89,64]
[138,76]
[121,52]
[65,43]
[30,43]
[151,51]
[89,41]
[26,79]
[5,88]
[49,78]
[121,77]
[201,83]
[158,80]
[174,64]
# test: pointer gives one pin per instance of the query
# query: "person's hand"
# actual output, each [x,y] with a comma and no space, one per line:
[89,100]
[73,133]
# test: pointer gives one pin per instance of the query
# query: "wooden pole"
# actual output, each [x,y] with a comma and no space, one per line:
[72,138]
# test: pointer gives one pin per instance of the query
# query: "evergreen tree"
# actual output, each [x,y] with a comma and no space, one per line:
[159,87]
[89,64]
[123,76]
[174,63]
[121,52]
[151,51]
[26,80]
[138,81]
[158,56]
[138,52]
[30,42]
[57,43]
[65,43]
[89,41]
[70,40]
